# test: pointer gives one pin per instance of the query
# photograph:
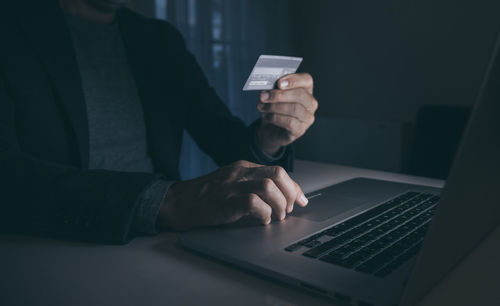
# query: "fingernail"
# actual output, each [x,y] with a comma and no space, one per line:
[304,199]
[290,209]
[284,83]
[264,95]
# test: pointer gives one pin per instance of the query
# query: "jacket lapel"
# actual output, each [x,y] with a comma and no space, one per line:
[46,27]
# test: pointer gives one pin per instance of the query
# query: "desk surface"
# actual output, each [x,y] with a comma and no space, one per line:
[156,271]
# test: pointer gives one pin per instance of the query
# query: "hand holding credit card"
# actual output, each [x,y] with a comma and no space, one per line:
[286,102]
[269,69]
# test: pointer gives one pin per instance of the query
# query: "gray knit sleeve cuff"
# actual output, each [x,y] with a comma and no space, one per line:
[148,207]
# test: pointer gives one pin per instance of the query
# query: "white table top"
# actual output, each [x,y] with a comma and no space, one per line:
[157,271]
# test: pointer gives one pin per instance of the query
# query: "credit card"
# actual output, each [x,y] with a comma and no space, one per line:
[269,69]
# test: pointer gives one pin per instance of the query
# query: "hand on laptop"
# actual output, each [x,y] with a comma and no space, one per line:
[286,112]
[230,193]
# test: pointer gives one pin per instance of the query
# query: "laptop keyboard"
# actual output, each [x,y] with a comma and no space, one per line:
[377,241]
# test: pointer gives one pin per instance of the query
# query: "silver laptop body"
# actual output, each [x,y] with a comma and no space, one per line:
[468,209]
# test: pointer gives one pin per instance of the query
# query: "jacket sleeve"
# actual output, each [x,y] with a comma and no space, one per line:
[216,131]
[39,196]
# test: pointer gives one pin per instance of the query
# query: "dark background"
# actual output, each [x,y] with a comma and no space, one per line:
[394,78]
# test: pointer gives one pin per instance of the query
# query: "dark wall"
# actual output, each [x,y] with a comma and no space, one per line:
[375,64]
[383,59]
[380,61]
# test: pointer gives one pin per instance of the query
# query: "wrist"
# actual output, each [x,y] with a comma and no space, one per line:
[271,148]
[176,209]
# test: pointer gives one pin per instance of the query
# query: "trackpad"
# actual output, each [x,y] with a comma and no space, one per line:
[322,207]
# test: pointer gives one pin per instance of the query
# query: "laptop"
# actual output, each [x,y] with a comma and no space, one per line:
[374,242]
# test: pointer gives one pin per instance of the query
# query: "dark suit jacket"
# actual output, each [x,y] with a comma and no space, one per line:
[45,182]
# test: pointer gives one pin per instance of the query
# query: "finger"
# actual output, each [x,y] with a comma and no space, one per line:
[246,164]
[232,172]
[303,201]
[267,190]
[251,204]
[288,187]
[234,208]
[296,95]
[236,170]
[295,110]
[295,127]
[297,80]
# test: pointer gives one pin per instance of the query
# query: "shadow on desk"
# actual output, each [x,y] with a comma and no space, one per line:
[272,291]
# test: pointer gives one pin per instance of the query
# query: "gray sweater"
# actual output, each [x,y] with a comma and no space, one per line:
[117,133]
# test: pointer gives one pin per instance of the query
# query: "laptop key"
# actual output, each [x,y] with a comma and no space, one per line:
[312,243]
[320,249]
[294,247]
[346,263]
[367,267]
